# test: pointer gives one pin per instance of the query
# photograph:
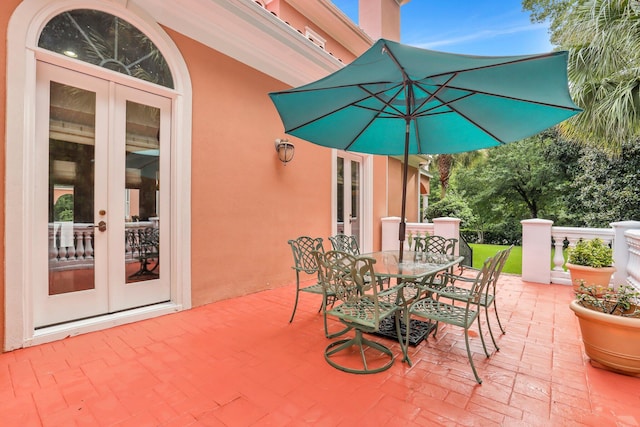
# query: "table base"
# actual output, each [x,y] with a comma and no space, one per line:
[420,329]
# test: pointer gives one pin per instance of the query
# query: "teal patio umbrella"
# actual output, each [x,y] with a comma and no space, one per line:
[396,99]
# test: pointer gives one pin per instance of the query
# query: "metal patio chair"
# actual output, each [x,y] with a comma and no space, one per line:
[305,262]
[488,298]
[360,306]
[463,316]
[434,244]
[345,243]
[145,246]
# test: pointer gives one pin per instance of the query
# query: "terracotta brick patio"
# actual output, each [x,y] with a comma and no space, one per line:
[240,363]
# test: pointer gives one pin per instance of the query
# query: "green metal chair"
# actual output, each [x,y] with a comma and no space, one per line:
[345,243]
[463,315]
[434,244]
[460,293]
[360,306]
[349,244]
[305,262]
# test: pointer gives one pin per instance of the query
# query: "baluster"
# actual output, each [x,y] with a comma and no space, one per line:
[71,250]
[62,251]
[80,249]
[53,250]
[88,246]
[558,256]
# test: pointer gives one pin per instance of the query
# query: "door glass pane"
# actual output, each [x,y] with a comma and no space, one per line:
[71,189]
[340,194]
[355,199]
[142,185]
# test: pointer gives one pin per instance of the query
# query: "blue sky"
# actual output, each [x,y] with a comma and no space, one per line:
[475,27]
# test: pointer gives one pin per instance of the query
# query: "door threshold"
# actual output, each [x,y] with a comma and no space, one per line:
[93,324]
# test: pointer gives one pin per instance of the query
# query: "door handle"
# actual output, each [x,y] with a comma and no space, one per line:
[102,226]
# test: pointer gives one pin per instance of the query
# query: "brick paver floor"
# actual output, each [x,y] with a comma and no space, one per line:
[239,362]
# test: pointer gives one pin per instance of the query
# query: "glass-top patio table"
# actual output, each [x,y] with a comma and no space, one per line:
[415,267]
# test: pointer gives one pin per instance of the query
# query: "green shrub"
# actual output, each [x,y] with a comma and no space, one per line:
[591,253]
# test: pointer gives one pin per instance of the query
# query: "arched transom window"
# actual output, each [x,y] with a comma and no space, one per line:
[107,41]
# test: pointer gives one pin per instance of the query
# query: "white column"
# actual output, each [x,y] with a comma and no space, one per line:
[621,249]
[536,250]
[449,228]
[390,228]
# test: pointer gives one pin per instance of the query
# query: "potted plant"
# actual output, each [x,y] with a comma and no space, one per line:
[610,326]
[590,263]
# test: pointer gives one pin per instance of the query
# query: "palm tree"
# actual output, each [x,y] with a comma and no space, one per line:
[603,40]
[446,163]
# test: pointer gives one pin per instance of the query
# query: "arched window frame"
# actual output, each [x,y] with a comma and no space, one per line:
[24,28]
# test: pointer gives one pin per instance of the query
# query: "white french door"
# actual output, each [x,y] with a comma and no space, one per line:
[102,197]
[349,195]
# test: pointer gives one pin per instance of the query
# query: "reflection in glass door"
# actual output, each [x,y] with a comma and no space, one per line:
[348,195]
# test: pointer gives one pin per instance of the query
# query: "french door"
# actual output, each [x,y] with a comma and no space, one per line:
[349,195]
[102,197]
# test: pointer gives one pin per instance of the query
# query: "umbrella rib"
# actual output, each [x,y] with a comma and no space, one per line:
[386,103]
[353,103]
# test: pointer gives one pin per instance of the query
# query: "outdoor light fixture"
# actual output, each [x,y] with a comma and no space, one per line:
[285,150]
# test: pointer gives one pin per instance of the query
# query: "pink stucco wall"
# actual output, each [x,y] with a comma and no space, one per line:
[245,203]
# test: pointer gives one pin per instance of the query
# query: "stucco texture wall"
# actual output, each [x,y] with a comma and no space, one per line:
[245,203]
[395,190]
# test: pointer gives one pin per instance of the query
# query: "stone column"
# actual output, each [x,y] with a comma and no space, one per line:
[390,227]
[621,249]
[449,228]
[536,250]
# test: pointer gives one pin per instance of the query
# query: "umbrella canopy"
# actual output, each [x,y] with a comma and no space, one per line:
[396,99]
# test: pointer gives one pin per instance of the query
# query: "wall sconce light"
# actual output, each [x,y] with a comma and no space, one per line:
[285,150]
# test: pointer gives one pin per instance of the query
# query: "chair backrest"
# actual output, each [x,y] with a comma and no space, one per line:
[483,278]
[303,258]
[434,244]
[500,262]
[349,278]
[345,243]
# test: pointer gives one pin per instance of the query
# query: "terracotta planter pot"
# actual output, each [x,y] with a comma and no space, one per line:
[612,342]
[598,277]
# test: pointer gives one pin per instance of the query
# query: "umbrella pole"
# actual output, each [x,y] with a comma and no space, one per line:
[405,171]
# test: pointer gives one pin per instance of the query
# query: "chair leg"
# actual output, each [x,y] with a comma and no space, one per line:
[484,346]
[495,309]
[473,367]
[486,315]
[359,341]
[326,327]
[295,305]
[403,344]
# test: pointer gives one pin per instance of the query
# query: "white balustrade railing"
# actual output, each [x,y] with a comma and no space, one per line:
[539,236]
[71,244]
[571,235]
[445,227]
[417,229]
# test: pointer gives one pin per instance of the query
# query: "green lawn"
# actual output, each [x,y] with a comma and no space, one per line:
[482,252]
[514,263]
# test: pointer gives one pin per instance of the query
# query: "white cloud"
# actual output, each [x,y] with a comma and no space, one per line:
[480,35]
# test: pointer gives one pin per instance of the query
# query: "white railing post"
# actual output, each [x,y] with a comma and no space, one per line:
[449,228]
[621,249]
[536,250]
